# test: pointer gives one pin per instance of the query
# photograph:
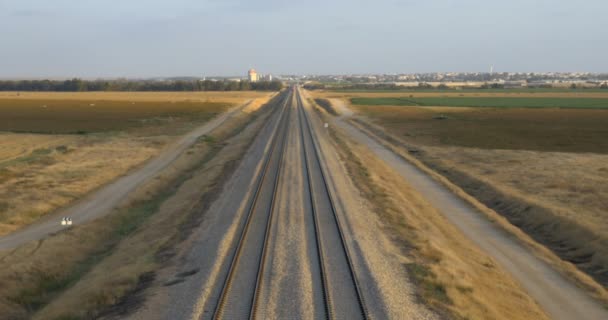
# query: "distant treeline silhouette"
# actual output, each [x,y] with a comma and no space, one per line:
[76,85]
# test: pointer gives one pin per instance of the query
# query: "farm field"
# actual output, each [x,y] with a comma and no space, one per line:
[57,147]
[492,102]
[600,94]
[543,169]
[561,130]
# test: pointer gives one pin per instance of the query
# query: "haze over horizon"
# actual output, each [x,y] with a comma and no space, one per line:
[157,38]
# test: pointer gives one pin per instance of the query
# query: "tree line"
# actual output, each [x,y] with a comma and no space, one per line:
[420,86]
[75,85]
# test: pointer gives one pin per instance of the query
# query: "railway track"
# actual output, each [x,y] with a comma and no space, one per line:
[343,297]
[238,298]
[241,291]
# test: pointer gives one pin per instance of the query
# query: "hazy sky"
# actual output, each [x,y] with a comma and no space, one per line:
[136,38]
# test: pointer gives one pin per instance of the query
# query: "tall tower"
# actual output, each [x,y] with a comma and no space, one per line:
[253,75]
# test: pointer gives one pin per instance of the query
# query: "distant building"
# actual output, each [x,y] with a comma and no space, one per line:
[253,75]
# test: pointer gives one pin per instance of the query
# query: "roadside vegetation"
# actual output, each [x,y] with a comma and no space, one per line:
[101,268]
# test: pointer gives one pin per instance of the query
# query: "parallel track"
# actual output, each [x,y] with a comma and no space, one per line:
[241,289]
[347,309]
[231,299]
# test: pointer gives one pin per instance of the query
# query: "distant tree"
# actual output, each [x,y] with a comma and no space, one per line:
[232,86]
[82,86]
[604,85]
[573,86]
[244,85]
[424,85]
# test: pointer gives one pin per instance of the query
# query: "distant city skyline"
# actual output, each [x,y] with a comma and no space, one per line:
[159,38]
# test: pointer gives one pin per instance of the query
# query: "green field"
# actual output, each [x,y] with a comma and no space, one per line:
[491,102]
[406,90]
[559,130]
[73,116]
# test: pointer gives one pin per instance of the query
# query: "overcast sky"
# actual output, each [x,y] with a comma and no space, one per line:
[136,38]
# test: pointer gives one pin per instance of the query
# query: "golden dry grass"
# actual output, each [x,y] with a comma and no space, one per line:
[560,199]
[13,146]
[572,185]
[62,169]
[476,287]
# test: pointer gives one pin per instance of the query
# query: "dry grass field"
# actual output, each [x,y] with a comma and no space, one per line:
[57,147]
[560,130]
[544,169]
[82,117]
